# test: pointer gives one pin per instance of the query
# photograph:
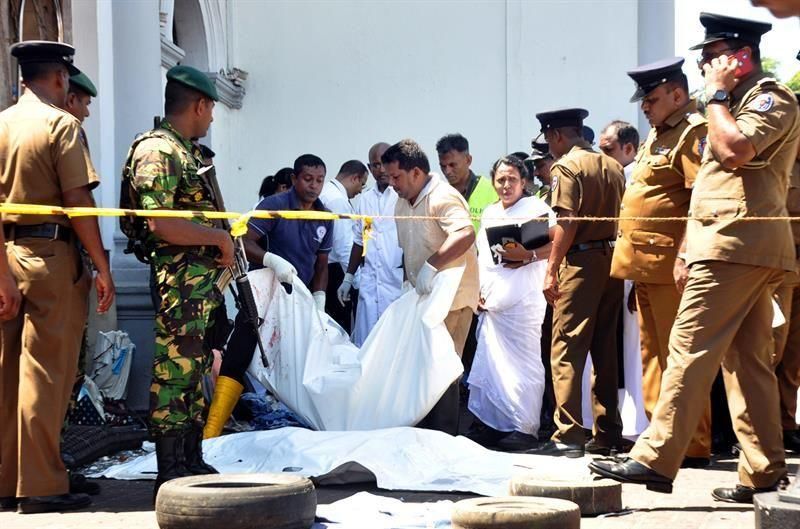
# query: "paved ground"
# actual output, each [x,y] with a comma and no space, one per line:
[127,504]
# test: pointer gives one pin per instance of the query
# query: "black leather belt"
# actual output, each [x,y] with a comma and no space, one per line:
[52,231]
[591,245]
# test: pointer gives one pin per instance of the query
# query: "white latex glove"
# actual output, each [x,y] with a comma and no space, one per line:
[283,269]
[343,292]
[425,279]
[319,299]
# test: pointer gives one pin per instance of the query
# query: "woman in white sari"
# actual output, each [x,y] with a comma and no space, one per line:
[507,378]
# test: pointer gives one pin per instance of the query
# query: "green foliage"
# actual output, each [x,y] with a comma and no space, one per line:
[794,82]
[770,66]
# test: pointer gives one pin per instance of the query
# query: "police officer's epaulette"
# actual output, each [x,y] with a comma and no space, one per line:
[696,119]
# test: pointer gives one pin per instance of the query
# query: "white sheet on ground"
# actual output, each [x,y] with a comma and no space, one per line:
[399,458]
[370,511]
[394,379]
[631,401]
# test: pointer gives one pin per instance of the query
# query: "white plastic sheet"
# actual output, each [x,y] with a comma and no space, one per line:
[394,379]
[399,458]
[369,511]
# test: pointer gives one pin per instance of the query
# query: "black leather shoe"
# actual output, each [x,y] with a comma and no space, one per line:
[621,446]
[695,462]
[58,503]
[791,441]
[78,484]
[517,442]
[742,494]
[8,503]
[552,448]
[630,471]
[485,436]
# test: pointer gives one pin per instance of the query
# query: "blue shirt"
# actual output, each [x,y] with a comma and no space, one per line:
[297,241]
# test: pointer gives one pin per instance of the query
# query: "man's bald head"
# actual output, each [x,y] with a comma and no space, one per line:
[376,167]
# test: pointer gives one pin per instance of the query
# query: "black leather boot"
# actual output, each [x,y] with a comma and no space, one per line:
[171,460]
[193,450]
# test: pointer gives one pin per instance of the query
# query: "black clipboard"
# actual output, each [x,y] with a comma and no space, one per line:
[532,234]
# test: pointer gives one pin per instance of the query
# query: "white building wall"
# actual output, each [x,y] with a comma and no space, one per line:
[333,78]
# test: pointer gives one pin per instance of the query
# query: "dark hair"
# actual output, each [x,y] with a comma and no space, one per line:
[77,90]
[408,155]
[178,97]
[625,133]
[512,161]
[31,71]
[268,187]
[529,165]
[681,82]
[570,131]
[308,160]
[353,167]
[284,177]
[452,142]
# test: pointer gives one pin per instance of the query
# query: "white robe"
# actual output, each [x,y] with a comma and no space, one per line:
[507,377]
[382,273]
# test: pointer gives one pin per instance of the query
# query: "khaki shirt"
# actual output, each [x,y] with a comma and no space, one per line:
[793,201]
[420,239]
[663,175]
[766,112]
[41,156]
[589,184]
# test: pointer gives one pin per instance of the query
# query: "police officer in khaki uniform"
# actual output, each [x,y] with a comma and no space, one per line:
[586,300]
[43,161]
[725,313]
[661,182]
[787,336]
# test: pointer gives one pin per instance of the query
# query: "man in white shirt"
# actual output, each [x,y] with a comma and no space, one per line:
[382,268]
[336,197]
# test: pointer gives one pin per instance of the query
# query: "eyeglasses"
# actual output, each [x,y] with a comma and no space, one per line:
[708,57]
[376,165]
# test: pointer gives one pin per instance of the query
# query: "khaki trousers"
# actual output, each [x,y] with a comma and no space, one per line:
[725,318]
[38,360]
[658,305]
[786,358]
[445,414]
[585,318]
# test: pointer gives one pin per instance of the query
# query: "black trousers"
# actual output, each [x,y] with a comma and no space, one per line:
[444,417]
[549,397]
[240,350]
[343,315]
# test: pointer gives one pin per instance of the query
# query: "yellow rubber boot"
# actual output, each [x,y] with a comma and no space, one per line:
[226,395]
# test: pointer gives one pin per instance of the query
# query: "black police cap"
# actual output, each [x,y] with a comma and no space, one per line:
[44,51]
[648,77]
[721,27]
[565,117]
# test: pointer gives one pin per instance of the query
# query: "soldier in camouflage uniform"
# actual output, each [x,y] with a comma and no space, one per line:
[186,256]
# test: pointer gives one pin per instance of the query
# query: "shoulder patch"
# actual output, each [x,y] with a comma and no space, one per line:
[763,103]
[701,146]
[554,183]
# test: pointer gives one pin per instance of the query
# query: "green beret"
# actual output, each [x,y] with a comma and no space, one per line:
[193,78]
[84,83]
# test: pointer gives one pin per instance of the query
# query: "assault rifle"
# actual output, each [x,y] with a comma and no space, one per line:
[235,276]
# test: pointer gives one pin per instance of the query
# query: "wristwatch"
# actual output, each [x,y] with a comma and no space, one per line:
[720,96]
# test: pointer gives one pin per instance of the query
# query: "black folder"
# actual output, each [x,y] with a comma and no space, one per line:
[532,234]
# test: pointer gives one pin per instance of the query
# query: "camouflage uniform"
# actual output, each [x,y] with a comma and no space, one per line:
[164,167]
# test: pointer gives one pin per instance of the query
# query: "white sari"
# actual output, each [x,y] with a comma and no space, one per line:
[507,378]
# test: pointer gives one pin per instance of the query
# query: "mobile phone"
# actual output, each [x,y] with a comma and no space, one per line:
[745,63]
